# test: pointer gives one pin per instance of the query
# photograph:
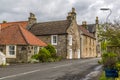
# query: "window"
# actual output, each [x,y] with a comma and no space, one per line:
[70,39]
[36,50]
[11,51]
[54,39]
[90,41]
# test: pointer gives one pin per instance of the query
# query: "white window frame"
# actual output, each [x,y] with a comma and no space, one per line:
[52,42]
[8,55]
[70,40]
[37,50]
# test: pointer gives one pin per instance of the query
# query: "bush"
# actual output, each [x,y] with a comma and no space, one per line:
[51,60]
[35,56]
[109,60]
[100,61]
[47,54]
[51,49]
[44,55]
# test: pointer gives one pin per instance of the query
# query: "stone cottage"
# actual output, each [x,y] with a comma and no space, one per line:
[63,34]
[88,43]
[93,29]
[18,44]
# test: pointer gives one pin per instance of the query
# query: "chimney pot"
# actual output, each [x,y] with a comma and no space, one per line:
[97,21]
[84,24]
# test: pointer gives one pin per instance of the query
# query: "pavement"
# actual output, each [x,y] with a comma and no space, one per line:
[82,69]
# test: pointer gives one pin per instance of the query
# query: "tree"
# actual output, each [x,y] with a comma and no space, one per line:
[111,33]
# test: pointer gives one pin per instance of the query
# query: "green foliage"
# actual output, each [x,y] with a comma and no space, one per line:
[44,55]
[51,49]
[47,54]
[100,61]
[109,60]
[35,56]
[111,34]
[103,45]
[118,65]
[102,77]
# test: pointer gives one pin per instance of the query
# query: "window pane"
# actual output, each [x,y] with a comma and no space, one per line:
[11,47]
[11,52]
[54,39]
[35,50]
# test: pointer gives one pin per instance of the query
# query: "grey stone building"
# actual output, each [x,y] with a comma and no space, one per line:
[63,35]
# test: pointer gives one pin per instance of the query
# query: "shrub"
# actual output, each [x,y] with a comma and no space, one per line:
[35,56]
[51,60]
[100,61]
[109,60]
[44,54]
[47,54]
[51,49]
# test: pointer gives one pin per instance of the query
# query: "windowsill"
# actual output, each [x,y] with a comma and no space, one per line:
[11,56]
[54,44]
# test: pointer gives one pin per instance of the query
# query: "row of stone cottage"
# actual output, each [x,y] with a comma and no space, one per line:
[20,40]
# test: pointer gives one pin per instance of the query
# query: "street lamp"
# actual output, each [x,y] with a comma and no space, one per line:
[107,9]
[105,27]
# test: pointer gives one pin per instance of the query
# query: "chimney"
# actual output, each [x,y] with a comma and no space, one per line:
[84,24]
[72,15]
[69,16]
[97,21]
[31,20]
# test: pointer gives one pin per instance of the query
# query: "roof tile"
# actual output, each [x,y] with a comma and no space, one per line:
[16,35]
[49,28]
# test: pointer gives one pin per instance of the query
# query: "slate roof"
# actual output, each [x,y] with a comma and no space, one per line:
[91,28]
[17,35]
[50,28]
[21,23]
[86,32]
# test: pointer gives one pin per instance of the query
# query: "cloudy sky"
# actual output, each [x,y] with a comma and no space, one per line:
[49,10]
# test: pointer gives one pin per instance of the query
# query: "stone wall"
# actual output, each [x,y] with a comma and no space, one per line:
[74,31]
[61,44]
[88,47]
[23,53]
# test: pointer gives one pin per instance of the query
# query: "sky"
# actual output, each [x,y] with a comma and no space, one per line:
[54,10]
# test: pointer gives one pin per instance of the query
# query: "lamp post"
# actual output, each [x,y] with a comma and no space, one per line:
[105,28]
[106,9]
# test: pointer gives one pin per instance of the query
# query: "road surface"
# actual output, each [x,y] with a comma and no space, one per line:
[63,70]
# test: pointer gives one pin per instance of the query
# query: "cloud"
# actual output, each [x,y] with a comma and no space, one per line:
[48,10]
